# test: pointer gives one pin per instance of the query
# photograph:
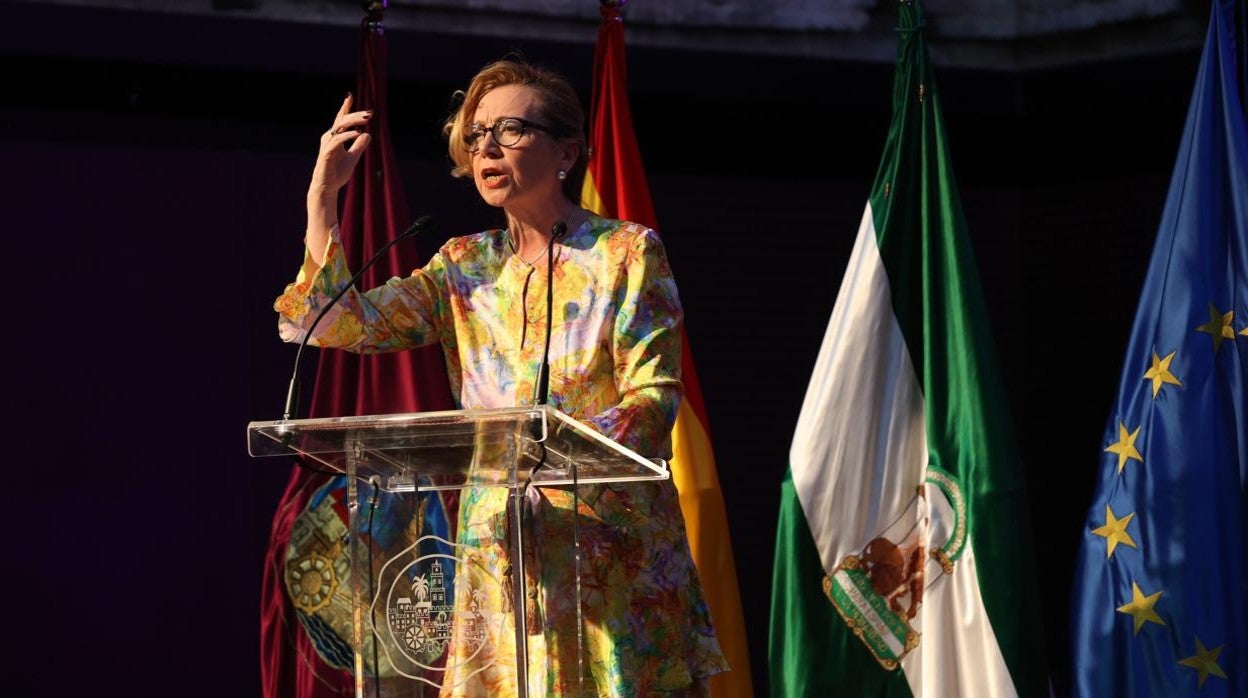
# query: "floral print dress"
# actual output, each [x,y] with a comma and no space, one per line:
[615,364]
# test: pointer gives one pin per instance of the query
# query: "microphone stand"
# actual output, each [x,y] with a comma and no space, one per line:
[541,396]
[422,224]
[541,391]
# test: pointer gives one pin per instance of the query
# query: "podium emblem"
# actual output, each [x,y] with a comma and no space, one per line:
[428,602]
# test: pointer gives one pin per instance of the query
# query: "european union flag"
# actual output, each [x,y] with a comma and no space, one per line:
[1161,592]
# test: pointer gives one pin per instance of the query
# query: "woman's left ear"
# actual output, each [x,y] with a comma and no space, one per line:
[571,151]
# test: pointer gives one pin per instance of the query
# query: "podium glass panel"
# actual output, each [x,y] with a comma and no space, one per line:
[473,613]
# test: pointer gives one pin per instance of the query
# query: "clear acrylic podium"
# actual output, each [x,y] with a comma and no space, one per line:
[422,620]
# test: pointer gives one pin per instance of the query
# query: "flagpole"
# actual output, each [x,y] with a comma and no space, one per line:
[375,15]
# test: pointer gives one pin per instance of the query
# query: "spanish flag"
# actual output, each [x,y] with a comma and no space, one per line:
[615,186]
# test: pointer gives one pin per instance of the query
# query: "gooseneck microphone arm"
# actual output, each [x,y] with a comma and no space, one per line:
[541,391]
[421,225]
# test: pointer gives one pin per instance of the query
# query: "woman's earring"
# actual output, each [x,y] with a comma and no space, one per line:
[562,175]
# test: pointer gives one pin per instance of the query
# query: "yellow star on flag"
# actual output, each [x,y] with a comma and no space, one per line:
[1115,531]
[1244,331]
[1125,446]
[1160,373]
[1205,661]
[1141,608]
[1218,327]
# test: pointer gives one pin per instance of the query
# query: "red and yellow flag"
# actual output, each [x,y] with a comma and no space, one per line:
[615,186]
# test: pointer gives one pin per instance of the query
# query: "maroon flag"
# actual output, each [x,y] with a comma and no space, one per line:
[373,213]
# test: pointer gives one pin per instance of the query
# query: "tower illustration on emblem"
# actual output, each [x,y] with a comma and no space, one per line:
[424,603]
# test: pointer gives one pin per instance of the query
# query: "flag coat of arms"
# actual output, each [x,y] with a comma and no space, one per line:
[902,563]
[1160,601]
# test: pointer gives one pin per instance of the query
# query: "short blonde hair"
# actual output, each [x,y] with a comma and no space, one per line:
[559,106]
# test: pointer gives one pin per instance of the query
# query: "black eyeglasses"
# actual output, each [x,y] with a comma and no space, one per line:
[507,132]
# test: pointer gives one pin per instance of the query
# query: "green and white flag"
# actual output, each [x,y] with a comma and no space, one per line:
[903,558]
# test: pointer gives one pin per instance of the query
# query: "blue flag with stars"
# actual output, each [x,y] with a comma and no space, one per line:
[1160,604]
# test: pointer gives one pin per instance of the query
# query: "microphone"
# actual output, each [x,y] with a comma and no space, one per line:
[541,391]
[421,225]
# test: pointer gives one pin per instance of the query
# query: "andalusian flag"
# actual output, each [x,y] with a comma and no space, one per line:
[902,564]
[616,186]
[1160,603]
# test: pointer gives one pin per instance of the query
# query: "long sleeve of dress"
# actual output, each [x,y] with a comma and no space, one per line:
[645,346]
[400,314]
[615,354]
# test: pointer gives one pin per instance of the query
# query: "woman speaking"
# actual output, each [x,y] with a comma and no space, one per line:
[614,353]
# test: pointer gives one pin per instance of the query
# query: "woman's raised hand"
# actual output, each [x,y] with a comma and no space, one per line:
[341,148]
